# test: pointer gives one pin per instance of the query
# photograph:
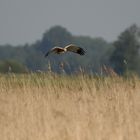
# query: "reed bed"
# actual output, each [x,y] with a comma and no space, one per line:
[47,106]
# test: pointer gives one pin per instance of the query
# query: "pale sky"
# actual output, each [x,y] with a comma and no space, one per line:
[25,21]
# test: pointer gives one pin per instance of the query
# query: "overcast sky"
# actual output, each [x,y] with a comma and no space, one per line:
[24,21]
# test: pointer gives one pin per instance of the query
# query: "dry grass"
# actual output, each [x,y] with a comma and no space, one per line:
[46,107]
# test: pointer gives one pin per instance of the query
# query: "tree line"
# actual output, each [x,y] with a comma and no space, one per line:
[121,55]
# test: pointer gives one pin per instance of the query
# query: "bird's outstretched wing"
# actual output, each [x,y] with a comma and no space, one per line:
[54,50]
[51,51]
[75,49]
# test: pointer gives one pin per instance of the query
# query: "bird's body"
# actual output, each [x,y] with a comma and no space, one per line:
[71,48]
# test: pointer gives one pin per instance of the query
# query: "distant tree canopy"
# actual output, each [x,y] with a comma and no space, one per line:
[121,55]
[126,54]
[12,66]
[56,36]
[96,48]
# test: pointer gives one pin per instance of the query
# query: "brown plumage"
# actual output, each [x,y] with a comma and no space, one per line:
[70,48]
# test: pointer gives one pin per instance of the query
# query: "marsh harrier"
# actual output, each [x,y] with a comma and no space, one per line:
[70,48]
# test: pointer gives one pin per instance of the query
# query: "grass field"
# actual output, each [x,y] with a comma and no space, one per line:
[54,107]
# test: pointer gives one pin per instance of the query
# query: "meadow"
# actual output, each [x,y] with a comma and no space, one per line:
[78,107]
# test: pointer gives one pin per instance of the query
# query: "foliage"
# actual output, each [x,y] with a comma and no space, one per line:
[13,66]
[122,55]
[33,55]
[126,54]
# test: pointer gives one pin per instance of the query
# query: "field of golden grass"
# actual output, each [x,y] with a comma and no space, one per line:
[58,107]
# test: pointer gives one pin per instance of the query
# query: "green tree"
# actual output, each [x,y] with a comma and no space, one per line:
[12,66]
[32,55]
[55,36]
[126,54]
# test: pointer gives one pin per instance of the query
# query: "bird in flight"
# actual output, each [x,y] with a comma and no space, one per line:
[70,48]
